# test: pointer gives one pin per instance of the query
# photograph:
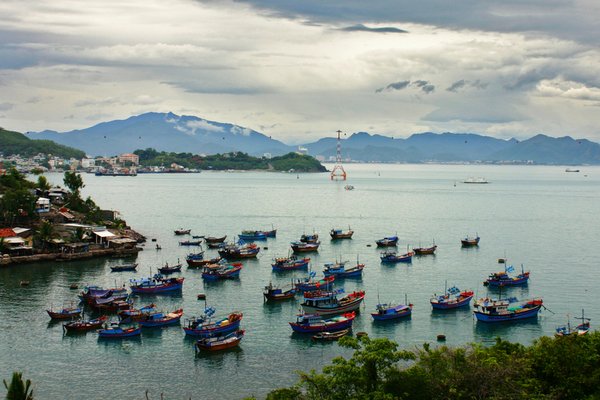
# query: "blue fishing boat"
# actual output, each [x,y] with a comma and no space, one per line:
[221,271]
[391,257]
[502,278]
[159,319]
[452,298]
[270,234]
[117,332]
[157,284]
[310,284]
[277,293]
[134,315]
[340,271]
[511,309]
[390,241]
[290,263]
[207,326]
[313,323]
[251,236]
[389,311]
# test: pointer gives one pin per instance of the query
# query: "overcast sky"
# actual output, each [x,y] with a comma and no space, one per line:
[300,70]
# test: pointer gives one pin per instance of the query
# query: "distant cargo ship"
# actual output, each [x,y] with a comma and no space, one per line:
[476,180]
[571,170]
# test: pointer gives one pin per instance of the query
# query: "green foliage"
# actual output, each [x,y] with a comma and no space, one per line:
[18,389]
[17,206]
[42,184]
[14,180]
[45,233]
[234,160]
[551,368]
[73,181]
[17,143]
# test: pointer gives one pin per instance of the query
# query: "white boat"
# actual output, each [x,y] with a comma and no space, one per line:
[476,180]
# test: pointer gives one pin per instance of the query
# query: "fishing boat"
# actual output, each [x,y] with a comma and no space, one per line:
[314,323]
[276,293]
[205,326]
[235,252]
[422,251]
[182,231]
[197,237]
[157,284]
[124,267]
[170,269]
[305,247]
[511,309]
[270,234]
[65,313]
[197,263]
[390,241]
[571,170]
[314,238]
[502,278]
[327,303]
[194,259]
[579,330]
[470,241]
[135,315]
[190,242]
[252,235]
[217,245]
[331,336]
[391,257]
[160,319]
[310,284]
[221,271]
[340,271]
[217,343]
[452,298]
[111,304]
[340,234]
[214,239]
[82,325]
[390,311]
[117,332]
[91,293]
[290,263]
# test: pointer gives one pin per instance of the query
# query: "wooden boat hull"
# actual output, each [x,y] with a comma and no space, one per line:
[84,326]
[353,305]
[326,327]
[305,247]
[342,235]
[252,238]
[190,243]
[331,336]
[120,268]
[387,317]
[167,287]
[181,232]
[270,234]
[405,258]
[213,240]
[193,263]
[217,345]
[509,282]
[64,315]
[290,294]
[169,270]
[167,320]
[212,331]
[451,305]
[232,273]
[119,333]
[423,251]
[292,265]
[470,242]
[513,316]
[355,272]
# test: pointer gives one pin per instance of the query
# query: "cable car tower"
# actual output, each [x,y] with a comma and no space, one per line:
[338,173]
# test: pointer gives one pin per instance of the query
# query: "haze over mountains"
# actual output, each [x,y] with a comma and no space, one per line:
[170,132]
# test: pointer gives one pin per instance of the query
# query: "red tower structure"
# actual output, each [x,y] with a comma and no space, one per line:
[338,173]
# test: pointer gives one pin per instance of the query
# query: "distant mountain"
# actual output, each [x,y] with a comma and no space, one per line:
[17,143]
[166,132]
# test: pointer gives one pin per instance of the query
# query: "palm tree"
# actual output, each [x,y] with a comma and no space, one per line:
[18,390]
[45,233]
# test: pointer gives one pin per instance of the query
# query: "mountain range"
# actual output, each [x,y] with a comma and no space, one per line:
[174,133]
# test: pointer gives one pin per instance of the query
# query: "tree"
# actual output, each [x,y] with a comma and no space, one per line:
[45,233]
[42,184]
[17,206]
[73,181]
[17,389]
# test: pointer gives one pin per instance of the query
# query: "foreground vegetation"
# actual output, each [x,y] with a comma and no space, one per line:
[15,143]
[551,368]
[235,160]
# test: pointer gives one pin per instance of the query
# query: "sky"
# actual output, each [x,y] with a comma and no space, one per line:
[301,70]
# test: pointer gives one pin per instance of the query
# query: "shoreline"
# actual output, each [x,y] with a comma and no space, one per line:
[97,253]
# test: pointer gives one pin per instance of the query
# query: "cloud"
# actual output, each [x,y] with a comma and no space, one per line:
[203,125]
[425,86]
[6,106]
[462,84]
[363,28]
[568,90]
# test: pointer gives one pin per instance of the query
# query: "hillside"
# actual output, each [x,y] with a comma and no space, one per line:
[16,143]
[167,132]
[234,160]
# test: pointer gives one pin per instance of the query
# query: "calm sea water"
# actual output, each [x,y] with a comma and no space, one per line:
[539,216]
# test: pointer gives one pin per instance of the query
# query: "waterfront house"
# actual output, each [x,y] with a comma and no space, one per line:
[42,205]
[13,244]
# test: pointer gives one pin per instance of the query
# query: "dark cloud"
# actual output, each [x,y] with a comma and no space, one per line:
[566,19]
[462,84]
[425,86]
[363,28]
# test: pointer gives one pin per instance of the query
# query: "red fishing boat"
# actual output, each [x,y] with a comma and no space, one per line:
[84,326]
[65,313]
[220,342]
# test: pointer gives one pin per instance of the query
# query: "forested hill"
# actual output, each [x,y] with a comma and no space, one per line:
[16,143]
[234,160]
